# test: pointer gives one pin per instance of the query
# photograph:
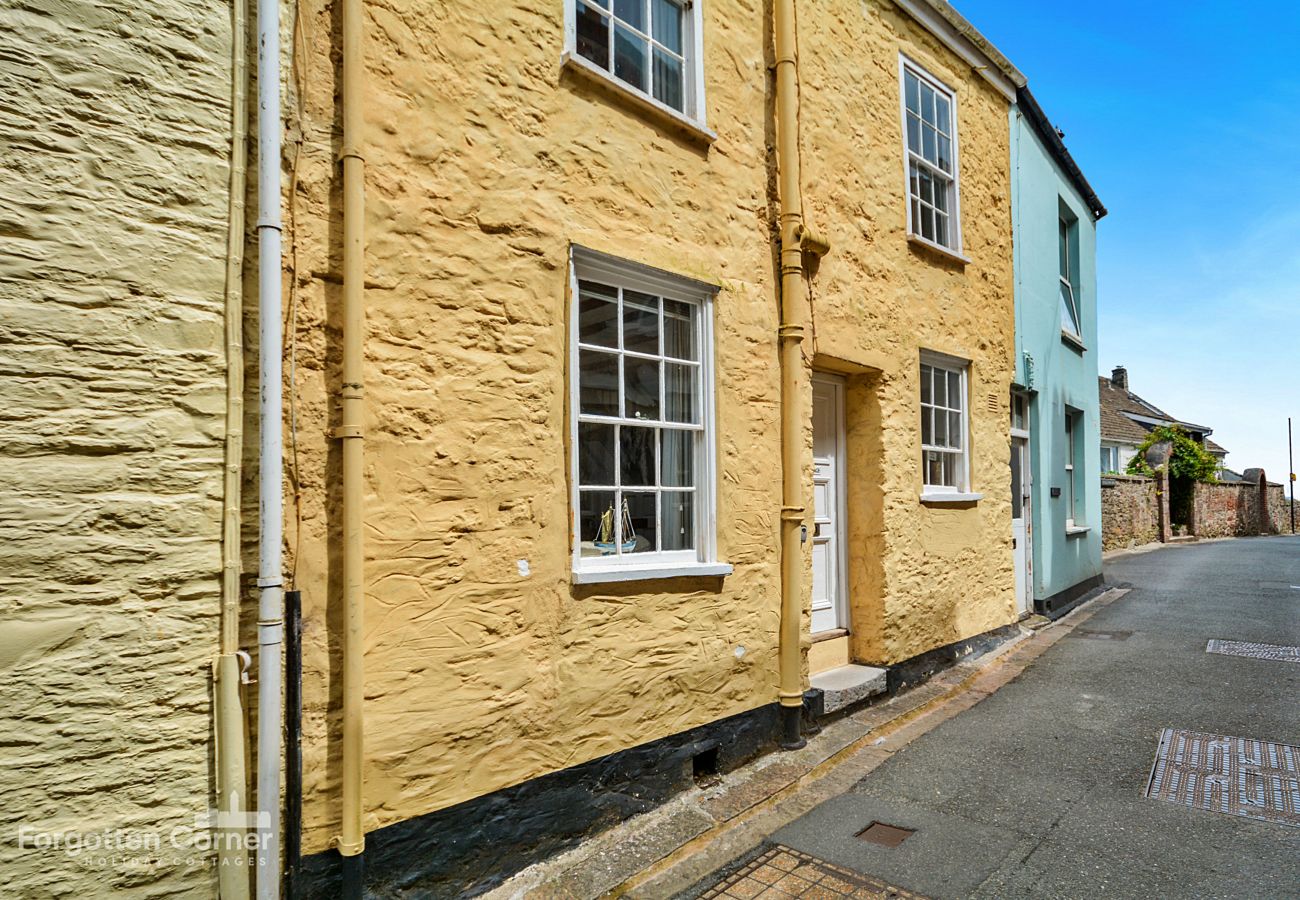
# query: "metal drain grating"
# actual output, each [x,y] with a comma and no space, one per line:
[886,835]
[1275,652]
[1102,635]
[785,872]
[1233,775]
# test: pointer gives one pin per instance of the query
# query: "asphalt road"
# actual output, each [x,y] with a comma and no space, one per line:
[1038,791]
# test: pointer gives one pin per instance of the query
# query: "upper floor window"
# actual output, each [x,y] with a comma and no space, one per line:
[943,424]
[930,128]
[1068,243]
[642,384]
[647,45]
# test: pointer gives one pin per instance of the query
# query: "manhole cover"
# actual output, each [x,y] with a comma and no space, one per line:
[785,872]
[886,835]
[1233,775]
[1276,652]
[1102,635]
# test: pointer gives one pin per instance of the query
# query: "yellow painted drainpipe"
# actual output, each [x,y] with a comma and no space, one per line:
[352,840]
[796,239]
[232,772]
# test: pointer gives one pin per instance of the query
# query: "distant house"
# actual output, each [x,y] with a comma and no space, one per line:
[1127,419]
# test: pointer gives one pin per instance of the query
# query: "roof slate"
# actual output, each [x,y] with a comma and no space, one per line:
[1116,426]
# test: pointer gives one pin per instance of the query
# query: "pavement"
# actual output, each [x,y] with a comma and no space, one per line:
[1037,787]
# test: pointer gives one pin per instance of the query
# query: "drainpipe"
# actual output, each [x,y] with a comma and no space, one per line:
[270,613]
[795,240]
[352,839]
[232,770]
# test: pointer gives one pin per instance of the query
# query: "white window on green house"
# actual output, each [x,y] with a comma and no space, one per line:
[930,135]
[646,45]
[642,438]
[944,462]
[1073,475]
[1068,243]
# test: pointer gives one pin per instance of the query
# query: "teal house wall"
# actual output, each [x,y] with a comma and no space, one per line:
[1056,373]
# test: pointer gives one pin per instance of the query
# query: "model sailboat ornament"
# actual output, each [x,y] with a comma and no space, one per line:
[605,535]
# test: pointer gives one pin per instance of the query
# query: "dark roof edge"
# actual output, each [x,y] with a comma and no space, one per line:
[1037,118]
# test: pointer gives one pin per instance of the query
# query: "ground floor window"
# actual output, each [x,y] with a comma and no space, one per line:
[944,464]
[1073,475]
[641,386]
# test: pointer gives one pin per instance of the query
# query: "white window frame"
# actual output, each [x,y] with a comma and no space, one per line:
[906,64]
[960,491]
[693,109]
[1073,419]
[1109,455]
[1067,279]
[587,264]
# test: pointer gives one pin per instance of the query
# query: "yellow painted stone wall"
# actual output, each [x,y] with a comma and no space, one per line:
[920,577]
[113,186]
[484,161]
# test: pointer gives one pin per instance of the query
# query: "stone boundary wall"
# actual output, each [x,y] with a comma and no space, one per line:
[1129,511]
[1227,510]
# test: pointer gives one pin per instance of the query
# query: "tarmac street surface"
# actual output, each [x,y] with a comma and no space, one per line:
[1041,789]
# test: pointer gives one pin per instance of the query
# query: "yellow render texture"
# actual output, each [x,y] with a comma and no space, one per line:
[919,576]
[484,161]
[113,190]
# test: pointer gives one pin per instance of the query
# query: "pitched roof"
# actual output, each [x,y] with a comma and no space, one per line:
[1118,407]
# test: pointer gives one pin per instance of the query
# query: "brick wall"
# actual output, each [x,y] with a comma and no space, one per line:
[1226,510]
[1129,512]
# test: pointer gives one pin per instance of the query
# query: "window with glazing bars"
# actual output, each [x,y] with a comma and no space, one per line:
[643,43]
[930,126]
[943,427]
[640,430]
[1069,301]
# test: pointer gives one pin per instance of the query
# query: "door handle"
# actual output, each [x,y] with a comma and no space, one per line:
[1013,543]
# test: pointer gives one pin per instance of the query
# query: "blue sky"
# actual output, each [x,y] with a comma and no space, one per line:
[1185,117]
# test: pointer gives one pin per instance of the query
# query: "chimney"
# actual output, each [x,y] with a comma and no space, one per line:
[1119,378]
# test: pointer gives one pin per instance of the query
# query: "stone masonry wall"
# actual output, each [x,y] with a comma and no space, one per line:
[485,665]
[1129,512]
[921,575]
[486,158]
[113,186]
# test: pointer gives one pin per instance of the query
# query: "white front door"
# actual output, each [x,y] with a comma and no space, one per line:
[828,583]
[1020,531]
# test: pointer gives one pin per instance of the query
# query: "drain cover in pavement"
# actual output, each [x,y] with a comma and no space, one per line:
[1102,635]
[1238,776]
[1255,651]
[783,872]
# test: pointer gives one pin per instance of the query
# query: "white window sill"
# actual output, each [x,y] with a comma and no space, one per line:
[646,573]
[944,497]
[1076,530]
[937,248]
[1072,340]
[594,74]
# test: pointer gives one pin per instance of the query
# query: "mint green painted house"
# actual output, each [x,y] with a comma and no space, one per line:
[1055,447]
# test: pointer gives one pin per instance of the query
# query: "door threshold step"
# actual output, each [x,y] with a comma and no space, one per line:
[845,685]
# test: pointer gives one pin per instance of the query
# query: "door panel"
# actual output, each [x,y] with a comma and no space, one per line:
[1020,531]
[827,522]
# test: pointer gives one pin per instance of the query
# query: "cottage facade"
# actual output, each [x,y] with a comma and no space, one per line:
[1055,416]
[573,505]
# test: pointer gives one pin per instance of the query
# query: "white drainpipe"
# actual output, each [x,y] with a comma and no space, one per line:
[270,617]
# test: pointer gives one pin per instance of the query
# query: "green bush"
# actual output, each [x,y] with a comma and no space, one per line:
[1189,459]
